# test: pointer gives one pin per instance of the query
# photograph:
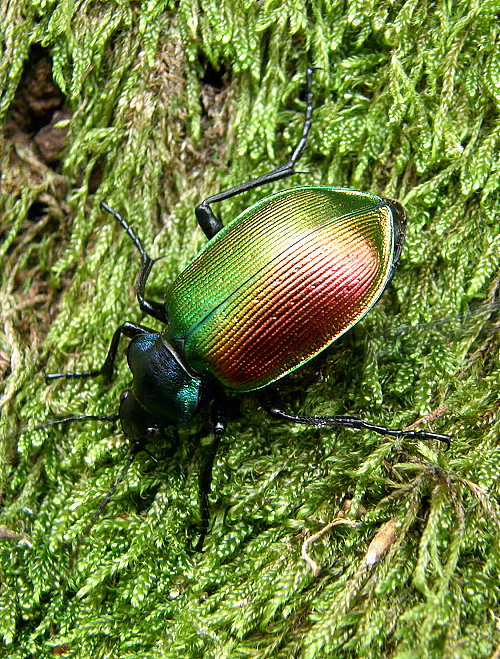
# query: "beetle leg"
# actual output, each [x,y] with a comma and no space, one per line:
[205,477]
[149,307]
[130,330]
[357,424]
[204,214]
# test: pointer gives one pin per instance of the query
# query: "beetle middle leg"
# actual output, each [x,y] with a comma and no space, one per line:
[130,330]
[204,214]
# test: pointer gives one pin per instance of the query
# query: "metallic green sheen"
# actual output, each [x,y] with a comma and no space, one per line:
[281,282]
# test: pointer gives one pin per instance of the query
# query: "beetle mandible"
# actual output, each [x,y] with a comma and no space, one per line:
[270,290]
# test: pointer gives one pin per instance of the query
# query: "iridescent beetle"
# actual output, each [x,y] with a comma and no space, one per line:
[269,291]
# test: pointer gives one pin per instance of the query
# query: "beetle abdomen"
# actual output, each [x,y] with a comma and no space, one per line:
[281,282]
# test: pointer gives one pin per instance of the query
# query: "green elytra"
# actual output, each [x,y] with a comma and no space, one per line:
[247,294]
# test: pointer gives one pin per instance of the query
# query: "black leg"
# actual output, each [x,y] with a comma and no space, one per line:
[130,330]
[204,214]
[150,307]
[353,422]
[205,477]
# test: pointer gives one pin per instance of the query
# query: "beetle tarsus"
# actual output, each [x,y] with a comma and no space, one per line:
[307,122]
[71,374]
[150,307]
[130,232]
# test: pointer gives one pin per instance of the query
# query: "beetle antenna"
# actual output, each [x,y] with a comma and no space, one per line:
[110,418]
[136,447]
[83,417]
[104,502]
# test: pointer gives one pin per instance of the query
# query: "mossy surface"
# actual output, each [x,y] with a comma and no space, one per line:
[160,105]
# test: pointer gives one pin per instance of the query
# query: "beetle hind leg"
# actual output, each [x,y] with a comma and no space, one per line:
[204,214]
[355,424]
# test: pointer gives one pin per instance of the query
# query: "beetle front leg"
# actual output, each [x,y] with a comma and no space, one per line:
[204,214]
[130,330]
[205,477]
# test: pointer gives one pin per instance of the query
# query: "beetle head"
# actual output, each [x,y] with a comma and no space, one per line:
[164,392]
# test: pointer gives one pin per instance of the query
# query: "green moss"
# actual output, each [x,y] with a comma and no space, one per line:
[406,105]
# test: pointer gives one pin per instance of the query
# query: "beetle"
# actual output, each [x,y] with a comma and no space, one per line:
[269,291]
